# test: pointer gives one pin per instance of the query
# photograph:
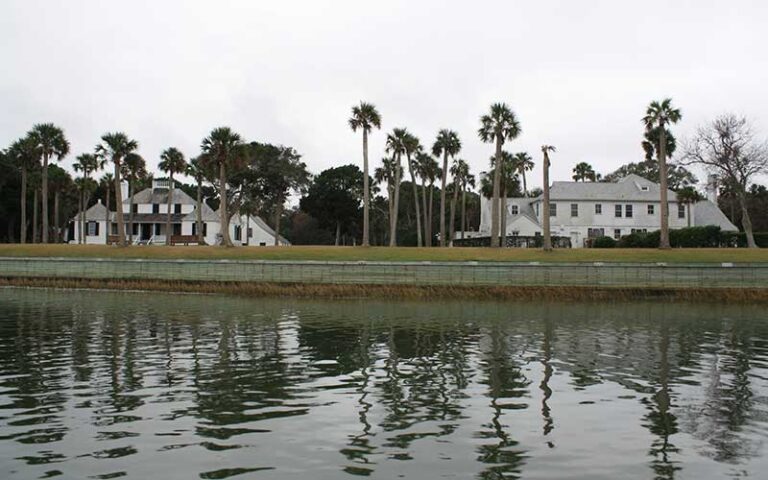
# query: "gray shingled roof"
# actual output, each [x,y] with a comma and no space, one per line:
[208,214]
[707,213]
[261,223]
[97,212]
[629,188]
[160,195]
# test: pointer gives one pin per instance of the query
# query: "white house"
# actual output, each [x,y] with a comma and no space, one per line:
[584,210]
[150,210]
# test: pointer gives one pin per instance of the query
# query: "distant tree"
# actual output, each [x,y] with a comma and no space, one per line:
[171,162]
[106,181]
[87,164]
[334,199]
[462,179]
[115,147]
[547,240]
[523,163]
[134,168]
[688,196]
[447,144]
[678,175]
[395,146]
[24,153]
[387,173]
[223,150]
[412,147]
[50,142]
[498,126]
[583,172]
[365,117]
[459,172]
[728,148]
[658,116]
[61,184]
[196,170]
[428,170]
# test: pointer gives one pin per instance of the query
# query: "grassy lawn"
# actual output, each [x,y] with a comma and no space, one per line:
[324,253]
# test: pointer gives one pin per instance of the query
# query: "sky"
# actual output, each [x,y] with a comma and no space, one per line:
[578,75]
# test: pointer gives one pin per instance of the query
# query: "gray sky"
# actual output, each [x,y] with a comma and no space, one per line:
[578,74]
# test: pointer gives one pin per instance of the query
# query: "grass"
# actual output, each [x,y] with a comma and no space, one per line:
[328,253]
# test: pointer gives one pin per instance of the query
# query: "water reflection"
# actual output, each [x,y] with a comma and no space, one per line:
[115,384]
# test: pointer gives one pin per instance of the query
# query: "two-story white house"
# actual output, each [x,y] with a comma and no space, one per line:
[584,210]
[150,211]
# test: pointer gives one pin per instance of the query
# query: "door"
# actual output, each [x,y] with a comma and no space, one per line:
[146,231]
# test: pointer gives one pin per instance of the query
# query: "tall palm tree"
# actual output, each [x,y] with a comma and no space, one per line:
[115,147]
[509,184]
[523,163]
[195,170]
[467,182]
[447,144]
[107,180]
[387,173]
[688,196]
[25,154]
[428,171]
[87,163]
[459,172]
[498,126]
[135,167]
[547,244]
[171,162]
[396,146]
[412,147]
[583,172]
[224,150]
[365,117]
[51,142]
[659,115]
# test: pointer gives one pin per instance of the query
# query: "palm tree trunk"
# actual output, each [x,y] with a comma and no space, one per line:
[664,233]
[45,198]
[168,217]
[35,218]
[366,190]
[119,206]
[525,184]
[547,241]
[495,199]
[746,221]
[278,214]
[463,212]
[395,207]
[224,220]
[427,239]
[442,199]
[56,202]
[338,233]
[23,203]
[430,224]
[503,236]
[80,217]
[419,243]
[688,212]
[200,238]
[455,199]
[107,230]
[131,181]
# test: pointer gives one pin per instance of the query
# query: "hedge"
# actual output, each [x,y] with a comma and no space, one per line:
[604,242]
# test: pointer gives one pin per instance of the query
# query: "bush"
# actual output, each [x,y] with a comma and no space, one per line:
[640,240]
[696,237]
[603,242]
[739,239]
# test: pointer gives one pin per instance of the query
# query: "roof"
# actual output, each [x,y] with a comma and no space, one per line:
[160,195]
[630,188]
[707,213]
[97,211]
[208,214]
[263,225]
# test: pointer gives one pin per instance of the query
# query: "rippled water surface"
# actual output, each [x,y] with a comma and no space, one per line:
[107,385]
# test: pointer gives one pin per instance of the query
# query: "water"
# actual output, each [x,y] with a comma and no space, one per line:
[133,385]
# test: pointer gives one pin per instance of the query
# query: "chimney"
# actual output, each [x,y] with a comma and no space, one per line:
[711,188]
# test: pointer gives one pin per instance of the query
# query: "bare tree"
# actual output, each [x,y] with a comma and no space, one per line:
[728,148]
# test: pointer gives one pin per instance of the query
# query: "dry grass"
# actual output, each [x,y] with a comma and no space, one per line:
[328,253]
[329,291]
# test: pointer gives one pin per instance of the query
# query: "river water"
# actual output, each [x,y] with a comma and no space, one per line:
[144,386]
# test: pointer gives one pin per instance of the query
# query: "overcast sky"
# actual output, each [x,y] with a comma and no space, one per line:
[578,74]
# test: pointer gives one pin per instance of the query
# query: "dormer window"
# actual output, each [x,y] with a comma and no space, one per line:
[644,188]
[155,208]
[514,210]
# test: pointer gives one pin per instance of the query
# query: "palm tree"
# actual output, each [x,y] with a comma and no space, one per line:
[547,244]
[115,147]
[134,167]
[459,172]
[428,171]
[172,162]
[688,196]
[467,181]
[195,170]
[583,172]
[396,146]
[387,173]
[107,180]
[412,147]
[365,117]
[523,163]
[509,184]
[51,142]
[87,163]
[499,125]
[659,115]
[446,144]
[223,149]
[25,154]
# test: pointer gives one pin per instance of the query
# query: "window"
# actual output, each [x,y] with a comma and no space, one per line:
[617,209]
[135,208]
[537,209]
[680,210]
[262,244]
[617,233]
[651,210]
[639,230]
[157,229]
[176,208]
[514,210]
[552,209]
[574,209]
[250,232]
[644,189]
[205,229]
[628,211]
[155,208]
[176,228]
[238,232]
[598,209]
[92,229]
[595,232]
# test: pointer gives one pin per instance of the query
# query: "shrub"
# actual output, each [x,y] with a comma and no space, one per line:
[640,240]
[603,242]
[739,239]
[696,237]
